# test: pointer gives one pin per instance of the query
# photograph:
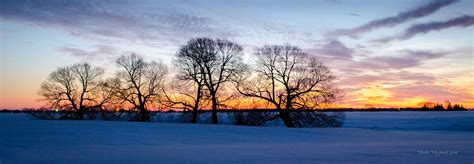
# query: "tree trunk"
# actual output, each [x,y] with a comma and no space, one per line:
[195,114]
[286,118]
[144,116]
[80,113]
[196,103]
[214,110]
[285,114]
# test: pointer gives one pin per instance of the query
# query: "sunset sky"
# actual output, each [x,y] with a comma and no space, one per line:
[385,53]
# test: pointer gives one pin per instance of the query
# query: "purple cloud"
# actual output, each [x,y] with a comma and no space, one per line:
[411,58]
[332,50]
[97,52]
[392,78]
[431,92]
[463,21]
[135,22]
[400,18]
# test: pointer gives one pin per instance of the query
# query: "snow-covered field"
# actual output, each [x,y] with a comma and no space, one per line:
[367,137]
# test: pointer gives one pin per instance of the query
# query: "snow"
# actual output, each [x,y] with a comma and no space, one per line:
[367,137]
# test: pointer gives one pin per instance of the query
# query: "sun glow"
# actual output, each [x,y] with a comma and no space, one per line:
[373,94]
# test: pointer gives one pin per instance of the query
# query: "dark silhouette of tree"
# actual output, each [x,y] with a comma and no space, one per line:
[449,107]
[187,95]
[212,63]
[458,107]
[73,88]
[110,102]
[438,107]
[289,79]
[425,107]
[190,75]
[139,83]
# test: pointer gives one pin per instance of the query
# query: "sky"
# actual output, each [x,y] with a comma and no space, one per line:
[394,53]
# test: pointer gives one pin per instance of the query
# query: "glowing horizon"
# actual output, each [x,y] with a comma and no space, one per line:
[384,54]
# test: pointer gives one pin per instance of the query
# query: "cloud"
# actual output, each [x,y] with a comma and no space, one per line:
[334,1]
[135,22]
[400,18]
[341,58]
[95,54]
[352,83]
[418,78]
[410,58]
[354,14]
[463,21]
[400,87]
[429,91]
[333,50]
[401,94]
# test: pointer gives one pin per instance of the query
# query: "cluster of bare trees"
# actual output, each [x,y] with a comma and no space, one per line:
[73,88]
[208,65]
[288,79]
[80,90]
[282,76]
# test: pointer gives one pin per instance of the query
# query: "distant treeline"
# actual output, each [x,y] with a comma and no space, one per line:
[438,107]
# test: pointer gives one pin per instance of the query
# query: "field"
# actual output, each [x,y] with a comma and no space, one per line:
[373,137]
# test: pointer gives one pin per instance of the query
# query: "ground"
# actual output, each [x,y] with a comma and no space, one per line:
[367,137]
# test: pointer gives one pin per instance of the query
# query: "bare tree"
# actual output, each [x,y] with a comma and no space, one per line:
[108,101]
[212,63]
[289,79]
[189,73]
[72,88]
[139,83]
[187,95]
